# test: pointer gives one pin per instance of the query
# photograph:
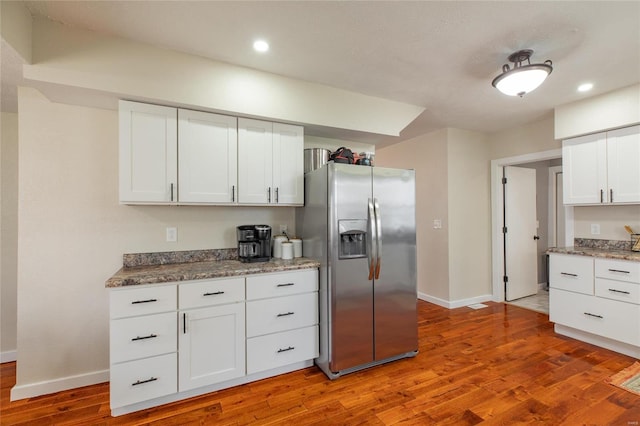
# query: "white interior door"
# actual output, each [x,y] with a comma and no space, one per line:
[521,248]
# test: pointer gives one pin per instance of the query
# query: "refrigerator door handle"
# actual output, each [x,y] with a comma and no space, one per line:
[371,220]
[376,209]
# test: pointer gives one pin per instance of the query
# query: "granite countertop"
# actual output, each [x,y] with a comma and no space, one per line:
[608,249]
[178,268]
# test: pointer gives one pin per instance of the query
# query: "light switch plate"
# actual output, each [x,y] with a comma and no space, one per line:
[437,224]
[172,235]
[595,229]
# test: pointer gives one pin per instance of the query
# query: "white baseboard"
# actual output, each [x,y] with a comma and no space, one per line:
[50,386]
[8,356]
[454,303]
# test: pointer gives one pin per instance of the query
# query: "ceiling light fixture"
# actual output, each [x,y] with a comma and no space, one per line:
[260,45]
[585,87]
[523,78]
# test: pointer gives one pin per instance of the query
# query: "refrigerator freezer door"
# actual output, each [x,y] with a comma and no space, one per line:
[396,330]
[350,290]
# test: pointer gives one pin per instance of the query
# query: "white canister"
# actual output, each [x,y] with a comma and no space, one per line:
[277,245]
[297,247]
[287,250]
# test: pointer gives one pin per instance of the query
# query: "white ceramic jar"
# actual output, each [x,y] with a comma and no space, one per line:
[277,245]
[287,250]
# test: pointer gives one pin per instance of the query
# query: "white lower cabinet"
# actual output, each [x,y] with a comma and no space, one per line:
[176,340]
[212,345]
[597,297]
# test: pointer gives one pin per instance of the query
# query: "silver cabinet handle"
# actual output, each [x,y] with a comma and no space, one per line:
[135,302]
[619,270]
[593,315]
[372,240]
[376,209]
[277,197]
[172,192]
[142,382]
[568,274]
[619,291]
[285,285]
[290,348]
[601,196]
[151,336]
[611,195]
[184,323]
[269,195]
[233,193]
[215,293]
[286,314]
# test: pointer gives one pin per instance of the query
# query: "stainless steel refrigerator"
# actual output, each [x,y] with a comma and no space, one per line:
[359,222]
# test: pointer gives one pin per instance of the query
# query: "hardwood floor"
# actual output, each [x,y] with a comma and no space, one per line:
[497,365]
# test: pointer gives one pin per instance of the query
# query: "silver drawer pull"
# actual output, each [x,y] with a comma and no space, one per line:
[135,302]
[568,274]
[619,291]
[290,348]
[619,270]
[593,315]
[285,285]
[151,336]
[215,293]
[142,382]
[286,314]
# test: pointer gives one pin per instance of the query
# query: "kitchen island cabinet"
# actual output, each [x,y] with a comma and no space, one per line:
[177,339]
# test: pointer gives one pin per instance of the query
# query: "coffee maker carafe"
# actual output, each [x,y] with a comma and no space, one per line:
[254,243]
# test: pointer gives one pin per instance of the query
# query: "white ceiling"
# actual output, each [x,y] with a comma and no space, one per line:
[441,55]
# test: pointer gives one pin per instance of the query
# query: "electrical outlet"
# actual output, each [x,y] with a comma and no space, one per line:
[172,235]
[283,229]
[437,224]
[595,229]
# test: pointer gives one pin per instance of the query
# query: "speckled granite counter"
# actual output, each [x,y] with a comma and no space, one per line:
[165,271]
[608,249]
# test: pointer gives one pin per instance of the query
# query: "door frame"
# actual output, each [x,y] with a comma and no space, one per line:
[497,248]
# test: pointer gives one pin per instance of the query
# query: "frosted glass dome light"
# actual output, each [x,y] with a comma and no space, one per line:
[521,79]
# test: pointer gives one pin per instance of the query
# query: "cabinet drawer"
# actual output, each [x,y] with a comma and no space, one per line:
[197,294]
[277,350]
[139,337]
[620,270]
[618,290]
[282,313]
[143,379]
[142,301]
[573,273]
[282,284]
[608,318]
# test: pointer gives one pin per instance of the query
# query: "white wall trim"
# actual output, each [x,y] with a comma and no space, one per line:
[497,262]
[8,356]
[50,386]
[454,303]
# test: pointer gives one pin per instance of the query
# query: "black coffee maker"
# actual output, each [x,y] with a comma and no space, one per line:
[254,243]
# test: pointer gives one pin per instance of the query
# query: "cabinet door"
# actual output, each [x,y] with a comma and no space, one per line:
[208,148]
[148,153]
[211,345]
[288,161]
[255,162]
[584,166]
[623,160]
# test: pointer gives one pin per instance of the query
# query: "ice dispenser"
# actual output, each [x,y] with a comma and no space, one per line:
[353,238]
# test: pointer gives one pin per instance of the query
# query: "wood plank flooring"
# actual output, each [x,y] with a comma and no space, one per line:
[500,365]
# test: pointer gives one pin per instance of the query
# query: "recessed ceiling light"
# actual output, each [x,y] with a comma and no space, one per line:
[585,87]
[260,46]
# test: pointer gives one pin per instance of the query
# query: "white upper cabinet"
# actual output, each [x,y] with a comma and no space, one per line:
[288,163]
[623,161]
[602,168]
[255,155]
[148,153]
[207,161]
[270,163]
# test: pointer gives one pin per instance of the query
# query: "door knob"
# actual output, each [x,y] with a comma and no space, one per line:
[536,237]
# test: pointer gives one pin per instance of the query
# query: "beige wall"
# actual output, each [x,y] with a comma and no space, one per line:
[427,155]
[533,137]
[469,215]
[611,219]
[8,234]
[73,233]
[16,26]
